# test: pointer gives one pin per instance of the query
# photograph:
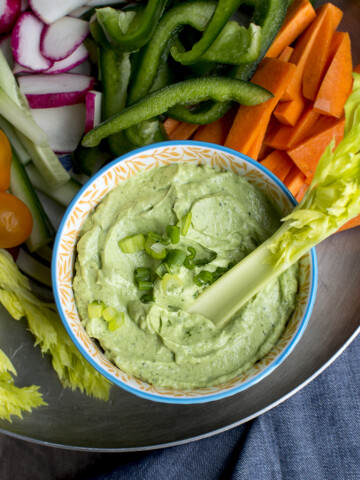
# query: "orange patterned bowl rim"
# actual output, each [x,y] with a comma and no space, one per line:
[91,194]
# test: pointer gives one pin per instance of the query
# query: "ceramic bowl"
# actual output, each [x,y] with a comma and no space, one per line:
[90,196]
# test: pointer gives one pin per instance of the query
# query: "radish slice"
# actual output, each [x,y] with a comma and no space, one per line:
[64,126]
[83,68]
[5,47]
[25,43]
[44,91]
[93,109]
[79,12]
[9,13]
[19,69]
[51,10]
[72,61]
[62,38]
[102,3]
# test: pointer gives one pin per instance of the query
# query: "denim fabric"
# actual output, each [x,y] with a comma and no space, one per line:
[314,435]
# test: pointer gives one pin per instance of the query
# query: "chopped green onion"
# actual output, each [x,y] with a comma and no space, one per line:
[170,280]
[95,309]
[109,313]
[143,273]
[185,223]
[117,322]
[132,244]
[148,297]
[161,270]
[174,259]
[205,260]
[173,232]
[204,278]
[188,263]
[154,247]
[145,285]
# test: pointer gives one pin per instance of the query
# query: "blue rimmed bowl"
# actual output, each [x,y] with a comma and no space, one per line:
[197,153]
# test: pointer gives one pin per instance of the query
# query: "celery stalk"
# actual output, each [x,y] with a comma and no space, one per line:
[332,199]
[43,157]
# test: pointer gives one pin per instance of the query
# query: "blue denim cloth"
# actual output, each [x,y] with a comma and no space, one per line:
[314,435]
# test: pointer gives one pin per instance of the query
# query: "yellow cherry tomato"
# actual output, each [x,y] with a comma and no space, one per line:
[16,221]
[5,162]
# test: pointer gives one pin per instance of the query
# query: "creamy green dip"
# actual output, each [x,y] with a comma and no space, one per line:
[160,342]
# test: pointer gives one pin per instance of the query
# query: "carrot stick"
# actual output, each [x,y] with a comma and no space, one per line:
[286,137]
[307,154]
[354,222]
[183,131]
[170,124]
[294,180]
[317,64]
[299,15]
[216,132]
[300,195]
[328,17]
[336,86]
[279,163]
[289,113]
[250,120]
[285,55]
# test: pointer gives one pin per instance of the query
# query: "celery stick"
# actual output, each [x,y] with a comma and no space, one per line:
[62,195]
[25,124]
[20,185]
[332,199]
[43,157]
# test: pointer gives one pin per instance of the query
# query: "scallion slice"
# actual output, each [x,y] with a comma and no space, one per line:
[132,244]
[95,309]
[161,270]
[109,313]
[173,232]
[188,262]
[143,273]
[204,278]
[148,297]
[145,285]
[154,246]
[174,259]
[185,223]
[117,322]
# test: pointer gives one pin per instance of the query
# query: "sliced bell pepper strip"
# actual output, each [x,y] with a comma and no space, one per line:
[187,92]
[269,15]
[138,32]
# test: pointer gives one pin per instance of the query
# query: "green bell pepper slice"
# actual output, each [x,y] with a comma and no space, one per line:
[191,91]
[224,10]
[269,15]
[129,37]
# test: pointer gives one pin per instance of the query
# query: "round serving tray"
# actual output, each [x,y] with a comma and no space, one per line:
[127,422]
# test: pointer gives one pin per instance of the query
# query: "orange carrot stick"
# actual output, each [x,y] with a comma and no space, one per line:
[317,63]
[294,180]
[279,163]
[354,222]
[183,131]
[170,124]
[307,155]
[286,137]
[250,120]
[328,17]
[288,113]
[300,195]
[285,55]
[216,132]
[336,86]
[299,15]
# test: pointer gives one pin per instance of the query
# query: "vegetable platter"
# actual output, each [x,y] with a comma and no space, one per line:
[72,419]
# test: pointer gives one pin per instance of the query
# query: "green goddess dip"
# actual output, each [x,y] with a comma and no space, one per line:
[157,340]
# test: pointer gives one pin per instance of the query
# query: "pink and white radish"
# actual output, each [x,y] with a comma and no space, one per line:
[19,69]
[25,43]
[83,68]
[72,61]
[64,126]
[46,91]
[93,109]
[51,10]
[62,38]
[9,13]
[5,47]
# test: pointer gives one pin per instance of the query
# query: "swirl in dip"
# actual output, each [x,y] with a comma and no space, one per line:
[149,334]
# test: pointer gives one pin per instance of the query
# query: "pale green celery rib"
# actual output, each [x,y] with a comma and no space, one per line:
[25,124]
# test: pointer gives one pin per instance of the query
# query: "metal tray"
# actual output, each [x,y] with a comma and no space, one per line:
[73,420]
